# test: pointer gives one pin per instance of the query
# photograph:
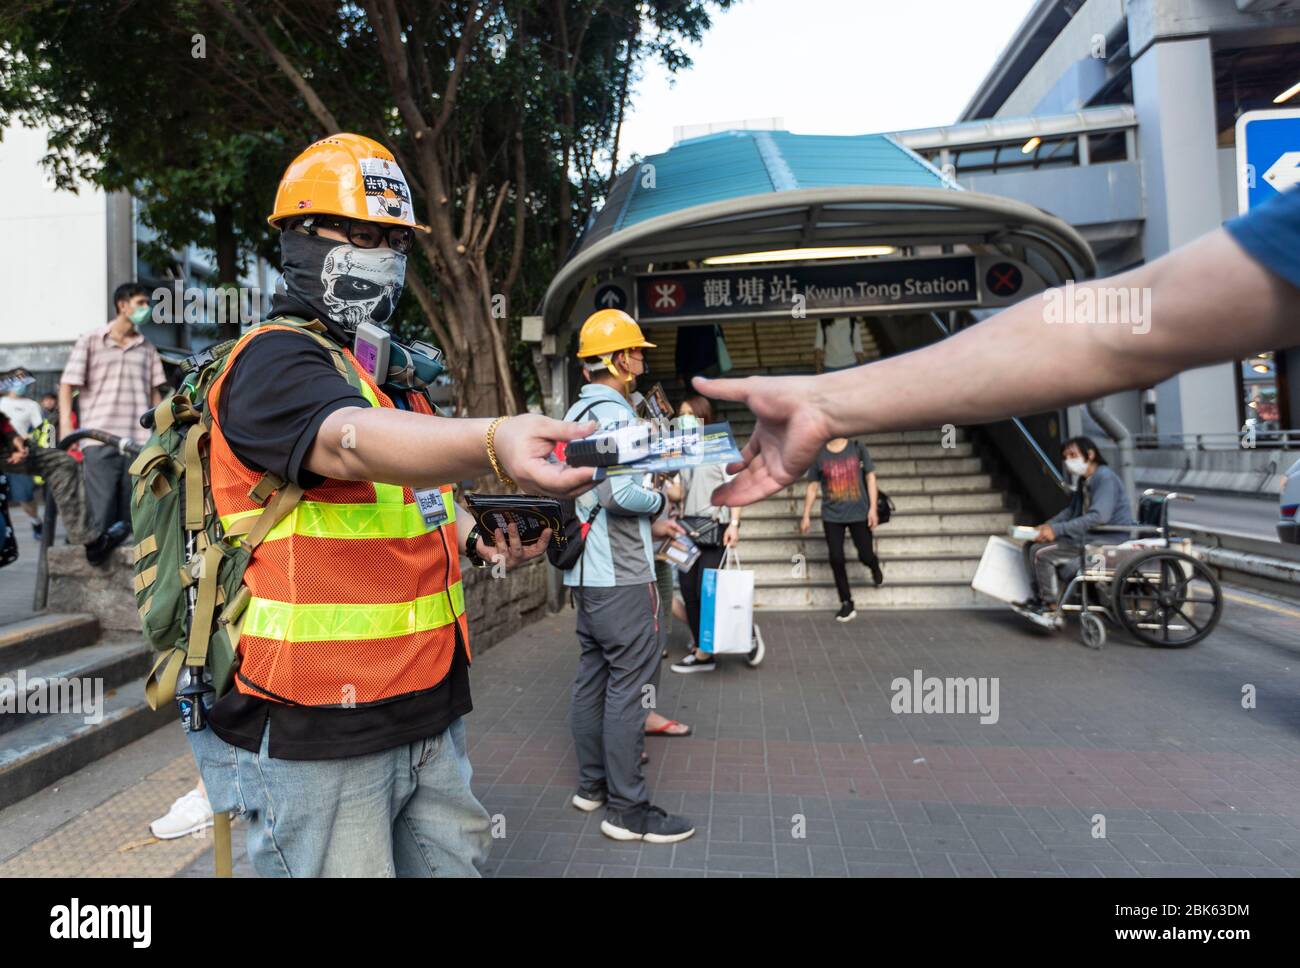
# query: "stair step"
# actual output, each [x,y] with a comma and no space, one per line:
[43,751]
[903,503]
[923,467]
[903,486]
[913,522]
[795,572]
[52,682]
[41,636]
[881,452]
[813,544]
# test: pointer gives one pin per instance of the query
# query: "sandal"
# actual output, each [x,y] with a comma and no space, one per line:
[666,729]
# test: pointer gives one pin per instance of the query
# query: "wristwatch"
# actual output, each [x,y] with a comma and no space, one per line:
[471,548]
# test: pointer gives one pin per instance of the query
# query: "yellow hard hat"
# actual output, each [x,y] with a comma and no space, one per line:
[607,331]
[347,175]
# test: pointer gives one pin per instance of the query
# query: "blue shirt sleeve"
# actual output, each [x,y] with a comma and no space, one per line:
[1271,235]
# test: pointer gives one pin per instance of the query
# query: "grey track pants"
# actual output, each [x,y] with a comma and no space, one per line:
[620,655]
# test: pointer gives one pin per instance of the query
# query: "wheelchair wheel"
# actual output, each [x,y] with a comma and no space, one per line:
[1092,630]
[1166,598]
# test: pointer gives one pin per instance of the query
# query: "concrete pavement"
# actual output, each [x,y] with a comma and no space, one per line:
[801,767]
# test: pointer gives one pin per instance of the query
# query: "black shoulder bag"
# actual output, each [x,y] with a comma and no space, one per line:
[566,552]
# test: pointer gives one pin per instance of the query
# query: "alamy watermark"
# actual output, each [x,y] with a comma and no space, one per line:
[951,695]
[180,305]
[54,695]
[1106,305]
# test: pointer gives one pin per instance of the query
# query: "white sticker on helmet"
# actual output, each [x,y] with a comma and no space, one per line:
[386,193]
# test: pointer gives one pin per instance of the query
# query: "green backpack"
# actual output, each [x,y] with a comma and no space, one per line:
[189,573]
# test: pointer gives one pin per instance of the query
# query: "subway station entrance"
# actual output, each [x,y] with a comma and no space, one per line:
[739,251]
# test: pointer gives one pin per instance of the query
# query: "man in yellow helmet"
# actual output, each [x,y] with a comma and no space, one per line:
[342,740]
[614,585]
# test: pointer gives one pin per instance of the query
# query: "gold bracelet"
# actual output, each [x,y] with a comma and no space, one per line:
[502,476]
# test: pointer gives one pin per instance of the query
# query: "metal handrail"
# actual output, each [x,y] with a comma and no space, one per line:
[1222,440]
[1019,424]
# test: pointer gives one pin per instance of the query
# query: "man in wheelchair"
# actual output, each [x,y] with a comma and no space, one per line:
[1099,500]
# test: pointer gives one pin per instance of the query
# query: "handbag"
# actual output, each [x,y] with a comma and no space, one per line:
[884,507]
[704,530]
[565,549]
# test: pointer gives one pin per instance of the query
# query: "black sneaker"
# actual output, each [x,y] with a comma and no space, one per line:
[588,799]
[847,613]
[37,530]
[877,575]
[693,664]
[646,822]
[97,551]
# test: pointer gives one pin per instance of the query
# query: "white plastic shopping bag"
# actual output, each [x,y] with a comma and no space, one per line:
[727,607]
[1002,573]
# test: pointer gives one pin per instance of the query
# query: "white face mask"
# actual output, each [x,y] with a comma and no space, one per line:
[1076,466]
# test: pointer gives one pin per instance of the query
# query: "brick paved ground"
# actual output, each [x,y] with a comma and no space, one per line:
[1188,781]
[1157,742]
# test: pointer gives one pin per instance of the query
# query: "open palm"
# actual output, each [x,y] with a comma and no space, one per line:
[789,432]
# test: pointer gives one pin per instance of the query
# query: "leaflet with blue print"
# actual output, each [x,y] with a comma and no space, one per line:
[711,444]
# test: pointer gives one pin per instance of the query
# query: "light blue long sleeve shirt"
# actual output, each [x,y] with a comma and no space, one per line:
[619,548]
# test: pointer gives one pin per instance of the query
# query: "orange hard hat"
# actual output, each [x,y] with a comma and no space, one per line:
[347,175]
[607,331]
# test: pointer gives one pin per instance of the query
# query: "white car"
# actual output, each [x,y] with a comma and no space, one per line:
[1288,524]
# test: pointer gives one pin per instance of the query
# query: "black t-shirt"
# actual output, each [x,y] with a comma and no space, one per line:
[279,391]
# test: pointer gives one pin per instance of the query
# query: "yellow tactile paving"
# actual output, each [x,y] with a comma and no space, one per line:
[113,839]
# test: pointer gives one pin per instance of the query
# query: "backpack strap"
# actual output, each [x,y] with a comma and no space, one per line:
[316,330]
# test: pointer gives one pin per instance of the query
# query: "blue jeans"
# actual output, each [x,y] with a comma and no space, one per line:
[403,812]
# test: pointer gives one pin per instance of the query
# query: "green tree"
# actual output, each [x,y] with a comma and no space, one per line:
[504,115]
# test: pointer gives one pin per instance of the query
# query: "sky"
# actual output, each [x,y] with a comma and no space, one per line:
[826,67]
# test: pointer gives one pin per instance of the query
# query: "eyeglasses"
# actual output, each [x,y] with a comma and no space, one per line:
[364,235]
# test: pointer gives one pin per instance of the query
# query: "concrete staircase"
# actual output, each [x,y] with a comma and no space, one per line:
[945,508]
[945,502]
[37,748]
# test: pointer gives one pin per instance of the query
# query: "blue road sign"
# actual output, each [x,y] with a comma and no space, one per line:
[1268,155]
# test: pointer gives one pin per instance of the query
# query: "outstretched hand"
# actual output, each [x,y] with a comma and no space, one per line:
[523,444]
[790,430]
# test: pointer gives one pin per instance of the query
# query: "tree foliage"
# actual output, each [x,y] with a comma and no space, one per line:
[504,114]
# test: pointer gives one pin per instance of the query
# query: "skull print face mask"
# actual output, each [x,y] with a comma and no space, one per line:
[340,282]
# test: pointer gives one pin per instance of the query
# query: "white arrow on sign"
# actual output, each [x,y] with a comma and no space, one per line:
[611,297]
[1285,172]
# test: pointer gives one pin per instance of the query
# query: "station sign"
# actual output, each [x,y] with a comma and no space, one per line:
[820,289]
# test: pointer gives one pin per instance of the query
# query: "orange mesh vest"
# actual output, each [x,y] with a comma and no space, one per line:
[354,599]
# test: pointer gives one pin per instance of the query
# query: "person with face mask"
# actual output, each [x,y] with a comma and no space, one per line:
[119,375]
[617,601]
[1099,499]
[342,740]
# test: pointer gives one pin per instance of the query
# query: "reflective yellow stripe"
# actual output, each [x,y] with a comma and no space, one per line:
[318,519]
[286,622]
[384,493]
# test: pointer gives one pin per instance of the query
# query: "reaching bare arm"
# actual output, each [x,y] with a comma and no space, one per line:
[418,450]
[1209,301]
